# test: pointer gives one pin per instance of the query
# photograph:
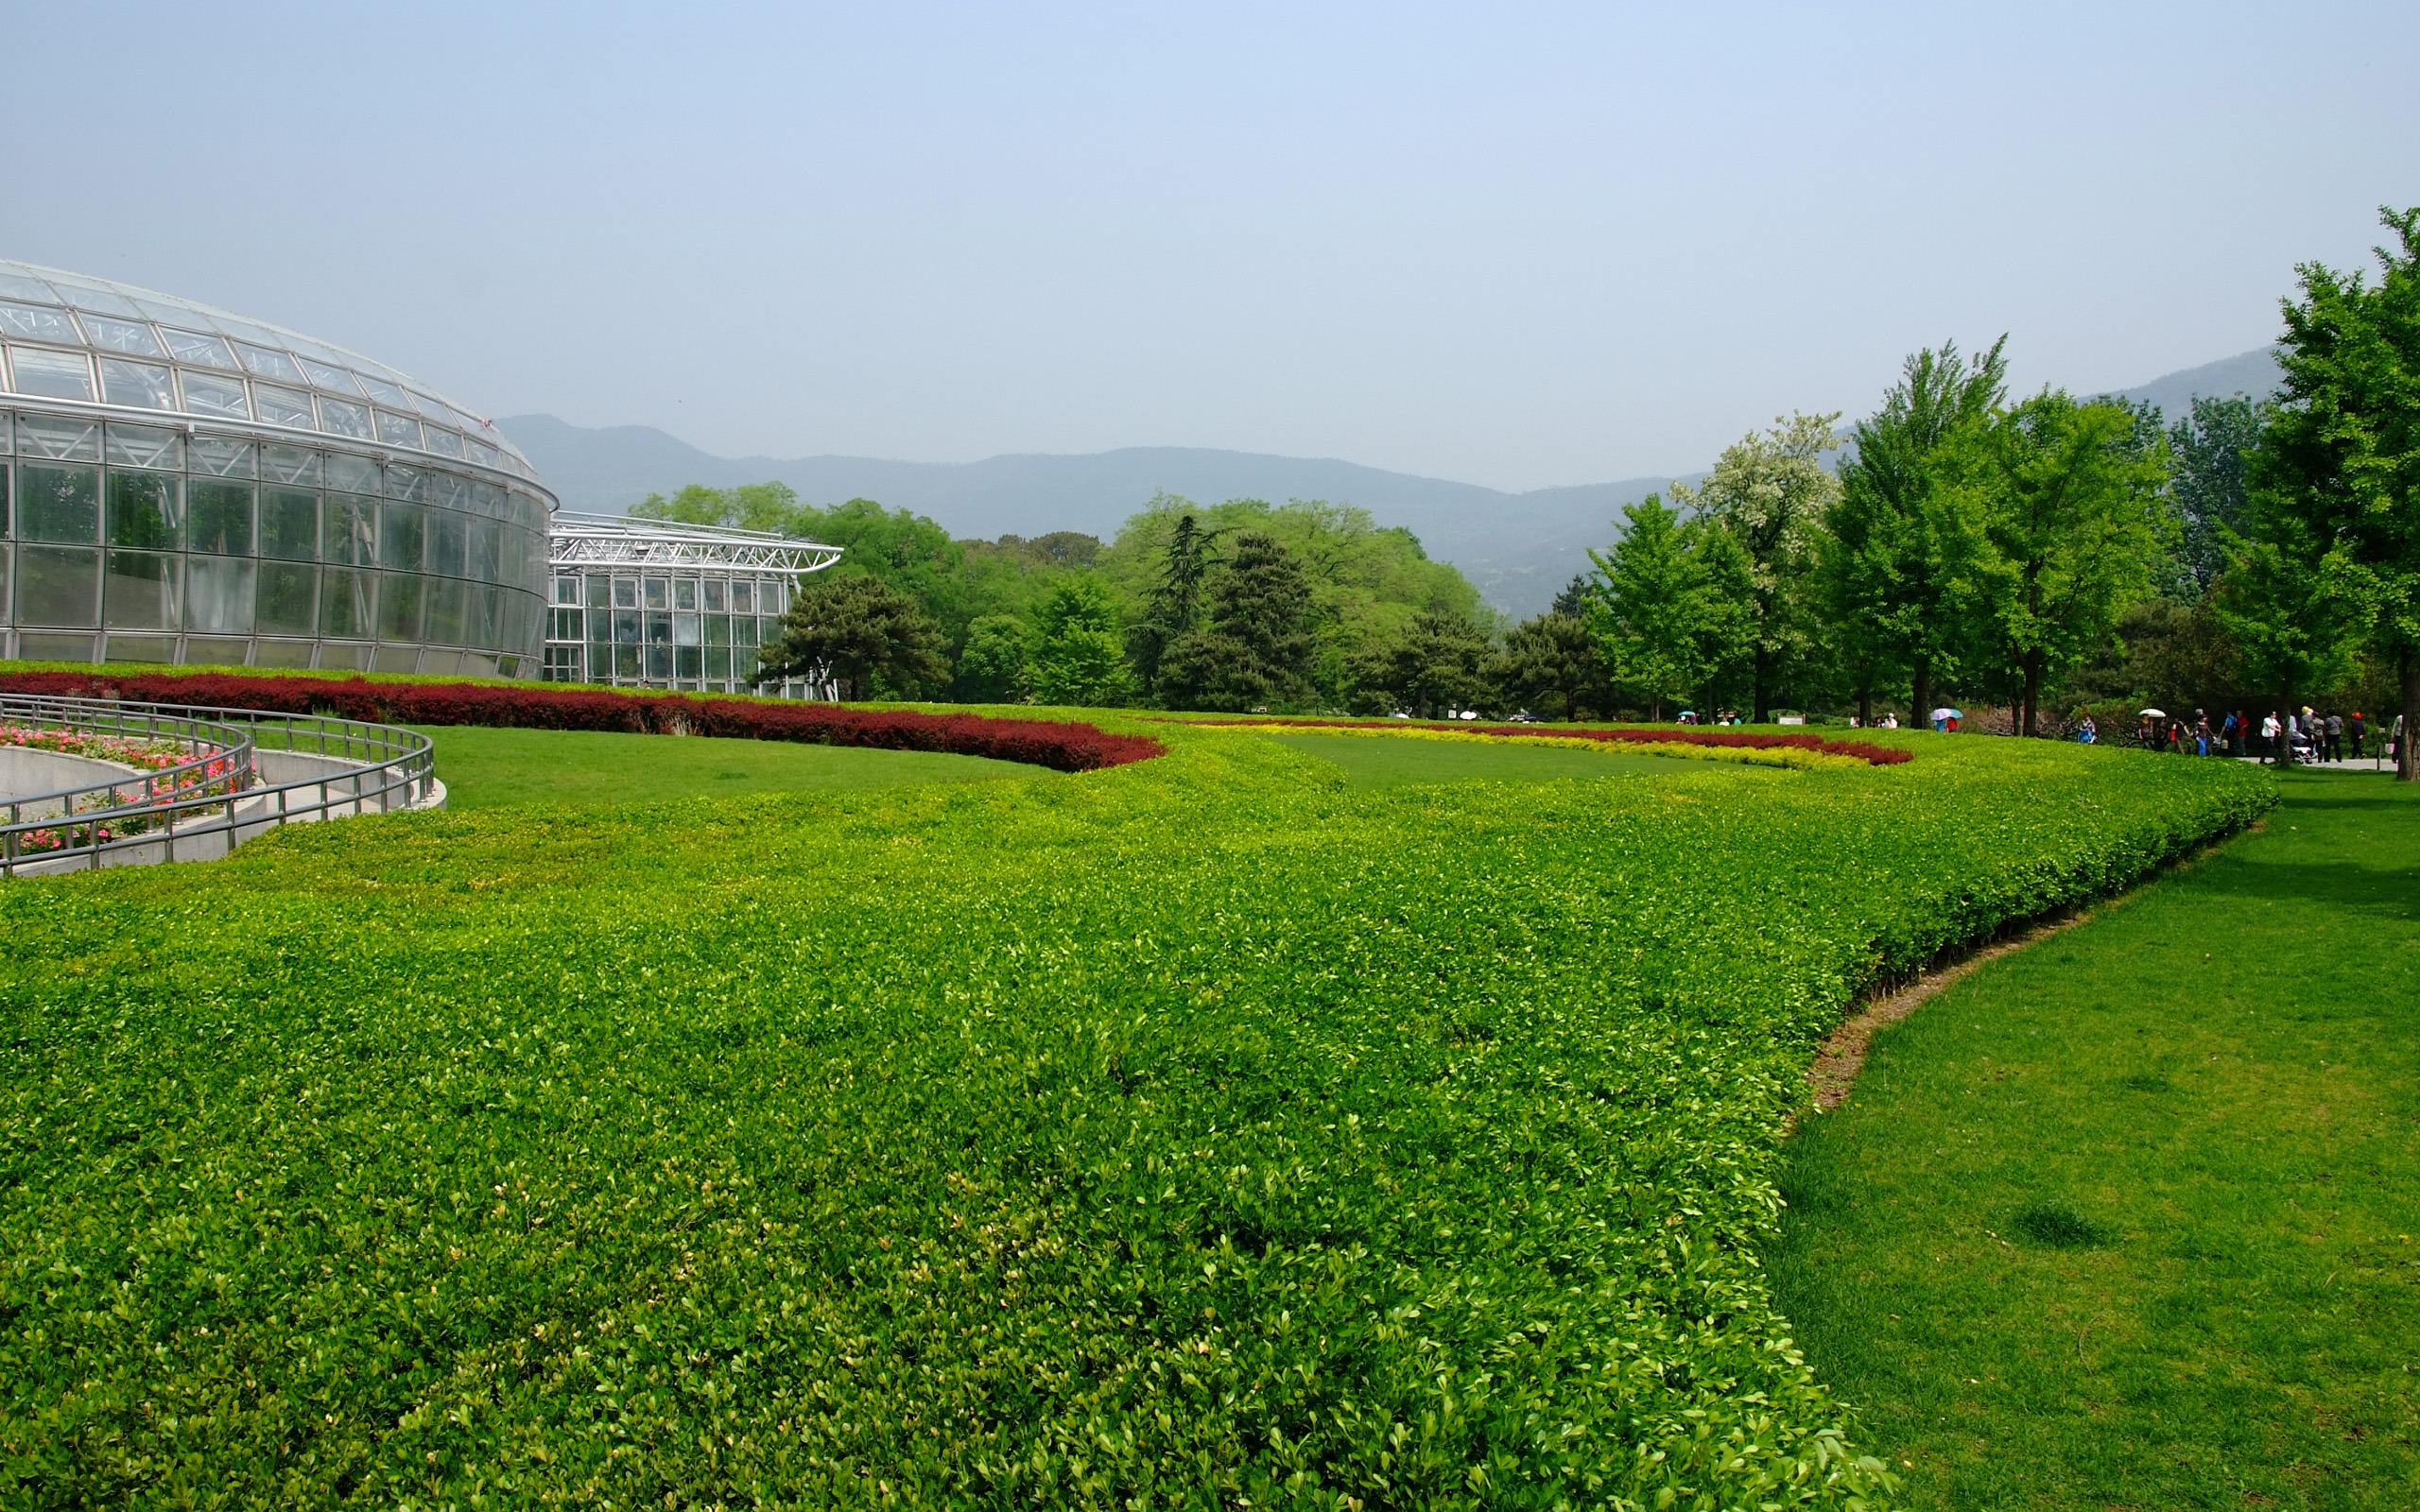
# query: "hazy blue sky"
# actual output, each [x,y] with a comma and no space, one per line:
[1516,245]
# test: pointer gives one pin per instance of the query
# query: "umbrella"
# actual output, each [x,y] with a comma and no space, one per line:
[2154,714]
[1949,714]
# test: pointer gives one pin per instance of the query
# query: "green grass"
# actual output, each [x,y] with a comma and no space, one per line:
[494,768]
[1197,1131]
[1371,761]
[2132,1217]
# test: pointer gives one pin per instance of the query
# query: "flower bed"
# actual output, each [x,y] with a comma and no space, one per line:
[1675,737]
[116,813]
[1060,745]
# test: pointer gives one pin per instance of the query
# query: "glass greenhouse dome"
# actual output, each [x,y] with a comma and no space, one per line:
[180,484]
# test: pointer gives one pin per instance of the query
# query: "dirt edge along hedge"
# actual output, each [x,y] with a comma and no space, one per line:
[1064,747]
[1662,736]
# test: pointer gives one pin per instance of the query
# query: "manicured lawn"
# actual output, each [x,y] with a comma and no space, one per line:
[490,768]
[2132,1217]
[1369,760]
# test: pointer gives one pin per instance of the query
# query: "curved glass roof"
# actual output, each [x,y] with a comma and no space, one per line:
[72,336]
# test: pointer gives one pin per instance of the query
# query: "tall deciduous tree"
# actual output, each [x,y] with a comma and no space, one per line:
[2342,454]
[1894,563]
[1661,618]
[992,668]
[1769,493]
[2289,611]
[2076,519]
[860,632]
[1079,650]
[2212,448]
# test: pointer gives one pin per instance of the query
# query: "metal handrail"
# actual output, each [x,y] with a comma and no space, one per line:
[223,800]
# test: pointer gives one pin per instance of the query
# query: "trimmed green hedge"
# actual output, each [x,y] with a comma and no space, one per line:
[1191,1132]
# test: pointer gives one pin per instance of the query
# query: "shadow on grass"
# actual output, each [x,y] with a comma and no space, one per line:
[2393,892]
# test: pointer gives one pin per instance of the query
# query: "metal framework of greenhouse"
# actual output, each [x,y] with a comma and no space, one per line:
[658,604]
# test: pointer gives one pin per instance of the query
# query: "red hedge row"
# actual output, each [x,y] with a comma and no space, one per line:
[1672,735]
[1066,748]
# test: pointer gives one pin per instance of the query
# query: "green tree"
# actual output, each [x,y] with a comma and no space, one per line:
[1078,652]
[2076,519]
[992,669]
[1437,665]
[2342,451]
[1173,603]
[2289,611]
[772,507]
[1895,559]
[1769,493]
[1551,664]
[1662,622]
[863,635]
[1254,648]
[2212,448]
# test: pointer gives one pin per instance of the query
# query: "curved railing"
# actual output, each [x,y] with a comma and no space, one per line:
[244,773]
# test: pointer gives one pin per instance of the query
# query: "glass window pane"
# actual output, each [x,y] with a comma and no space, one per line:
[268,362]
[655,593]
[349,474]
[743,630]
[136,384]
[450,490]
[205,395]
[385,392]
[625,626]
[686,630]
[717,595]
[51,375]
[600,590]
[717,629]
[626,593]
[407,483]
[218,516]
[59,503]
[150,446]
[283,407]
[221,458]
[684,592]
[659,630]
[289,524]
[206,351]
[486,627]
[132,336]
[143,509]
[687,661]
[443,441]
[142,592]
[291,464]
[399,528]
[346,604]
[399,596]
[743,598]
[396,430]
[444,611]
[58,586]
[39,324]
[218,596]
[487,551]
[350,533]
[86,296]
[19,287]
[566,589]
[718,664]
[484,454]
[289,595]
[337,418]
[336,380]
[448,539]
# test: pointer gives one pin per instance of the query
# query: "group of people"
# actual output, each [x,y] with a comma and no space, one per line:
[2301,736]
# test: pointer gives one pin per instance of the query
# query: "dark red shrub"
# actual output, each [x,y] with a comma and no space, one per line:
[1061,746]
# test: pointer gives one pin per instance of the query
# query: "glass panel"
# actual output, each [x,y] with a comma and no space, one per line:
[599,591]
[686,630]
[717,629]
[291,464]
[625,626]
[346,604]
[290,594]
[566,591]
[563,624]
[193,347]
[449,490]
[659,630]
[444,611]
[626,662]
[289,524]
[684,592]
[130,336]
[51,375]
[218,596]
[85,297]
[487,618]
[448,537]
[400,529]
[142,592]
[397,431]
[743,598]
[433,409]
[350,534]
[58,586]
[336,380]
[281,653]
[68,440]
[136,384]
[687,661]
[481,452]
[659,664]
[717,595]
[339,418]
[215,396]
[348,474]
[718,662]
[268,362]
[385,392]
[219,456]
[398,606]
[407,483]
[6,477]
[487,541]
[656,593]
[626,593]
[283,407]
[18,286]
[143,510]
[486,498]
[445,442]
[59,504]
[146,446]
[218,517]
[39,324]
[743,631]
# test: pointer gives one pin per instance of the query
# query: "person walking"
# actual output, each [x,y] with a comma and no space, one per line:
[2146,734]
[2230,730]
[2200,733]
[2269,729]
[2355,728]
[2335,737]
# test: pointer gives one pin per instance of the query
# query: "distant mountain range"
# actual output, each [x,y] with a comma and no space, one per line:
[1518,548]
